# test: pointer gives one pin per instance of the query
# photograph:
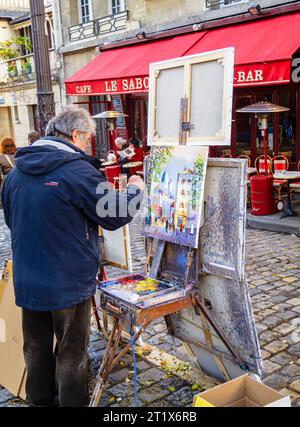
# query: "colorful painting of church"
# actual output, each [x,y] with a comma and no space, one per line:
[173,207]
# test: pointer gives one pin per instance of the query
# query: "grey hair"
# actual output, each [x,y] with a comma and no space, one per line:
[69,120]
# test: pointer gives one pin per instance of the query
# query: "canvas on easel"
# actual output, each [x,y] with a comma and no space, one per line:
[116,249]
[173,205]
[205,82]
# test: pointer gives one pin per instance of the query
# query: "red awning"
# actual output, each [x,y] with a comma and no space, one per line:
[263,48]
[263,51]
[126,69]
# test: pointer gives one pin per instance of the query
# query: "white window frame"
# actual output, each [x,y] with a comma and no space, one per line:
[51,34]
[89,4]
[122,7]
[234,3]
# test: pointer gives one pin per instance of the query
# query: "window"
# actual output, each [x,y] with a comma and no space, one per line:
[232,2]
[26,32]
[117,6]
[85,11]
[49,32]
[16,114]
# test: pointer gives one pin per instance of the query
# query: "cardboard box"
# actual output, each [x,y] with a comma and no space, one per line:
[12,365]
[244,392]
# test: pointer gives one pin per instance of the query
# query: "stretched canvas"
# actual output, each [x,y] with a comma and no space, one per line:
[174,196]
[116,248]
[205,83]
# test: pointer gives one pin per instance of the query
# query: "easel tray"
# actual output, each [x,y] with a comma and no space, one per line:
[140,291]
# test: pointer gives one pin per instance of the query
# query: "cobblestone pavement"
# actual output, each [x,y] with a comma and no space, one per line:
[273,271]
[4,240]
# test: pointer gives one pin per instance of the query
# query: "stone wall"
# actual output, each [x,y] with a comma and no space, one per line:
[5,122]
[161,11]
[5,30]
[23,99]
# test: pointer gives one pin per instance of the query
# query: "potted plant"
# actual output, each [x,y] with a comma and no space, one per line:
[23,43]
[26,67]
[7,52]
[12,69]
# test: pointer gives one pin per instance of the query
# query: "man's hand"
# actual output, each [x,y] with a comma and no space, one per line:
[137,181]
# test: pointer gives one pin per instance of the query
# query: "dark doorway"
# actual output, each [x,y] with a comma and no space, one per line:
[137,109]
[100,142]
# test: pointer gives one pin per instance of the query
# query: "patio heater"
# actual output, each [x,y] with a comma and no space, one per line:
[110,118]
[261,187]
[262,111]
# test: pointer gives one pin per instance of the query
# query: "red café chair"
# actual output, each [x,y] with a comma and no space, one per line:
[259,165]
[244,156]
[112,172]
[295,186]
[133,171]
[280,164]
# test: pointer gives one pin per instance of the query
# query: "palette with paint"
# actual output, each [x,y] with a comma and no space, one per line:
[141,291]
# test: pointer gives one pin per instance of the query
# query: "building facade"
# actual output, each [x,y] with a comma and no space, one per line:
[82,26]
[18,100]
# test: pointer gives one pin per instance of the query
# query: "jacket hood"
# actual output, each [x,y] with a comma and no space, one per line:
[44,156]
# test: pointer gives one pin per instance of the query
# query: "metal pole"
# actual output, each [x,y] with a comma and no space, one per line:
[45,95]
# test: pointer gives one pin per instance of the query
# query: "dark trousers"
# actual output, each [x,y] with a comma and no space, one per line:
[65,372]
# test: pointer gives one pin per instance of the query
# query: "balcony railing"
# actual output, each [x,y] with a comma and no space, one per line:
[14,73]
[98,27]
[24,4]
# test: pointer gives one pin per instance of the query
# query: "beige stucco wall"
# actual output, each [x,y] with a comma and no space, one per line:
[70,13]
[149,12]
[5,30]
[76,61]
[161,11]
[5,122]
[25,98]
[146,11]
[72,63]
[100,8]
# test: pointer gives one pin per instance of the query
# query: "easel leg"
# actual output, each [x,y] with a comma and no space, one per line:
[169,324]
[109,360]
[213,324]
[111,349]
[95,313]
[105,323]
[127,347]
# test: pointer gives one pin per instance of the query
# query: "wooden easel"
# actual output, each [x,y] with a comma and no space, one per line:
[146,315]
[143,317]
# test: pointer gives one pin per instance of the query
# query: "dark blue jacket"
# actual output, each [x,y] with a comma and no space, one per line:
[50,202]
